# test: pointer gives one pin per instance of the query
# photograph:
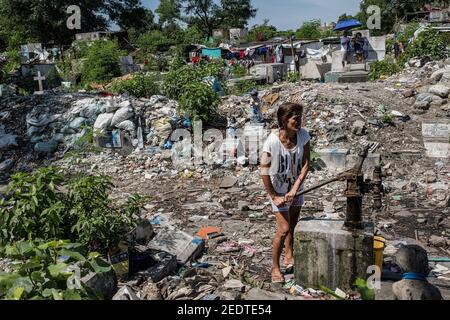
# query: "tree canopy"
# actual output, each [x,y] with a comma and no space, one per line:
[208,15]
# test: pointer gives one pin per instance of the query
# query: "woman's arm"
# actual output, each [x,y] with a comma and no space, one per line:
[265,167]
[304,170]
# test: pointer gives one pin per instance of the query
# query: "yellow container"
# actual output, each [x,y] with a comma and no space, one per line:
[379,244]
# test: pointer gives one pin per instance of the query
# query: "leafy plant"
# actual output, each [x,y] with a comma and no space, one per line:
[181,76]
[383,68]
[198,101]
[36,208]
[243,87]
[142,85]
[48,271]
[363,289]
[293,77]
[238,71]
[102,62]
[428,43]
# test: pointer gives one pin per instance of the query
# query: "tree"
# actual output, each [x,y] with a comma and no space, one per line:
[262,32]
[45,21]
[387,16]
[344,17]
[130,14]
[208,15]
[169,12]
[309,30]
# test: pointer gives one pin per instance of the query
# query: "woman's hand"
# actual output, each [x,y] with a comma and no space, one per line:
[290,196]
[279,201]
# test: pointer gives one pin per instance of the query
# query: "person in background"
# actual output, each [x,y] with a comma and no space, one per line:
[285,164]
[358,45]
[345,47]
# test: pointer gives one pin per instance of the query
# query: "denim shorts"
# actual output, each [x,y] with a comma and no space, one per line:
[297,202]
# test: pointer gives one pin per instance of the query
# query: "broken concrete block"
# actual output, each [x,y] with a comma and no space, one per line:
[359,128]
[178,243]
[125,293]
[334,159]
[228,182]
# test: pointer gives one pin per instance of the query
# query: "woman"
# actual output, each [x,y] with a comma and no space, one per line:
[345,48]
[284,167]
[358,45]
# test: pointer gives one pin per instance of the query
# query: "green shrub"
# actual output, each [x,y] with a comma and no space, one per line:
[239,71]
[243,87]
[293,77]
[102,62]
[49,271]
[198,101]
[142,85]
[36,208]
[180,76]
[428,43]
[383,68]
[154,41]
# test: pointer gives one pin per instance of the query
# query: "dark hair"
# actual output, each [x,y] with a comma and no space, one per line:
[286,111]
[359,34]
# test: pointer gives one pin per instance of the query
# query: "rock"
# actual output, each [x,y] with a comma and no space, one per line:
[437,75]
[6,165]
[440,90]
[422,105]
[103,122]
[421,220]
[151,292]
[409,93]
[359,128]
[243,206]
[6,140]
[129,126]
[46,147]
[124,113]
[142,234]
[437,241]
[77,123]
[430,176]
[229,295]
[125,293]
[234,284]
[445,77]
[258,294]
[228,182]
[428,97]
[103,284]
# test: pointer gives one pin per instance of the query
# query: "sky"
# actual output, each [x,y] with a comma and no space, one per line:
[290,14]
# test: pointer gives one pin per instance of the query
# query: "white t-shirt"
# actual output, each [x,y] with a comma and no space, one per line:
[285,164]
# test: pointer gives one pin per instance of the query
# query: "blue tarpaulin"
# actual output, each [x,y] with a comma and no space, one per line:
[213,53]
[347,25]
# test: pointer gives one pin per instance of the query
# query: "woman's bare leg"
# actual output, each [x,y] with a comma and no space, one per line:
[294,213]
[280,236]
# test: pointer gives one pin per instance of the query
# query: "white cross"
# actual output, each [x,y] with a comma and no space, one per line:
[39,78]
